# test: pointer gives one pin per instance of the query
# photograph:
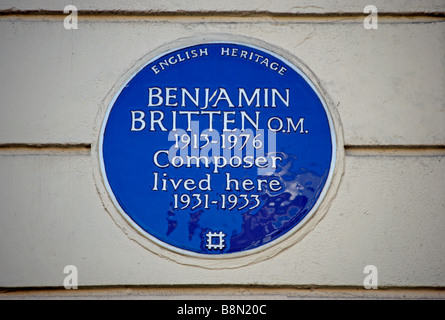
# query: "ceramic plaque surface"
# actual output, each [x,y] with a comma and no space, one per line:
[217,148]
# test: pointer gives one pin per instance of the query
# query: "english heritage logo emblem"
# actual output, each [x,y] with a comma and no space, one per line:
[217,148]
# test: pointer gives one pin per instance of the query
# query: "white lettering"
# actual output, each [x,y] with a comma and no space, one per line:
[152,95]
[139,119]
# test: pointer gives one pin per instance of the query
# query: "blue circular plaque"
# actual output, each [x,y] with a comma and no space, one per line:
[217,148]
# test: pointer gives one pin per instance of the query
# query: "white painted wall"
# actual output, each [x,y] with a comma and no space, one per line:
[388,85]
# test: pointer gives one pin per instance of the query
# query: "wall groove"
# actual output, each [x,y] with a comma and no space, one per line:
[244,14]
[44,149]
[395,150]
[223,292]
[350,150]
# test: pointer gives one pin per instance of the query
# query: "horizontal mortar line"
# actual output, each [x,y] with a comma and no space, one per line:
[249,287]
[16,149]
[200,20]
[395,150]
[216,13]
[350,150]
[221,290]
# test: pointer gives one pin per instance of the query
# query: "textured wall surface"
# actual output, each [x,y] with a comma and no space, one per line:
[387,84]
